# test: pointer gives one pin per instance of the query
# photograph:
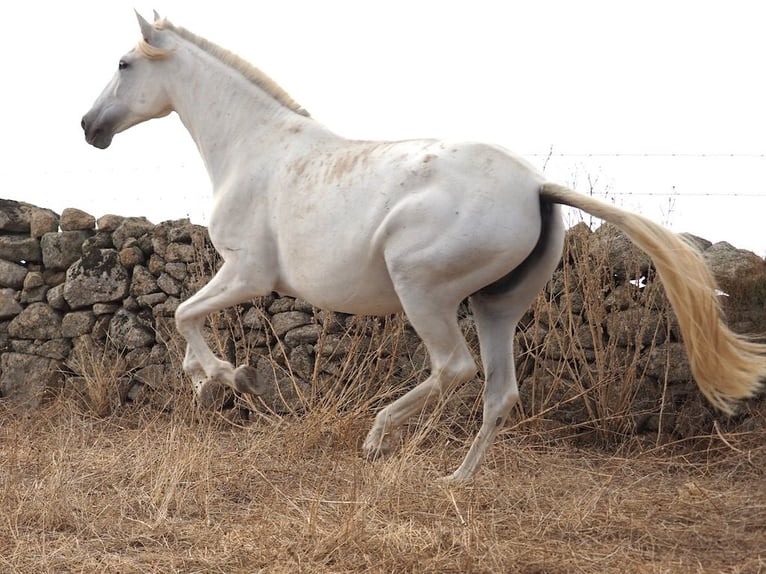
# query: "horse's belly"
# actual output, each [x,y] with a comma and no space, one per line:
[362,288]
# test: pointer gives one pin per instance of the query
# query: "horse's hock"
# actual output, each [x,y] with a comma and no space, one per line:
[599,344]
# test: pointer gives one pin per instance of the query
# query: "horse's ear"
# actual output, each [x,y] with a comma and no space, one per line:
[147,30]
[156,16]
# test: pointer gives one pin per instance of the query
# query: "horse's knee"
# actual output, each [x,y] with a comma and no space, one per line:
[456,372]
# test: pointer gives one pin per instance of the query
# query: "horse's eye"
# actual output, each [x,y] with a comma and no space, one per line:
[122,65]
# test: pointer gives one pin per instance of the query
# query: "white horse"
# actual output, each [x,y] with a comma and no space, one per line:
[378,227]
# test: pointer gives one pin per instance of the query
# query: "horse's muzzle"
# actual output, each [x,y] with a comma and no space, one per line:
[96,135]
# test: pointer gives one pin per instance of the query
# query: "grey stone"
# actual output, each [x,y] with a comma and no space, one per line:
[9,305]
[109,222]
[252,319]
[182,233]
[156,264]
[131,256]
[76,220]
[152,375]
[62,249]
[131,227]
[281,305]
[176,270]
[169,285]
[34,294]
[105,308]
[33,280]
[19,249]
[284,322]
[12,274]
[54,349]
[55,298]
[150,300]
[15,215]
[305,335]
[96,278]
[38,321]
[142,282]
[28,379]
[128,331]
[43,221]
[180,252]
[77,323]
[100,240]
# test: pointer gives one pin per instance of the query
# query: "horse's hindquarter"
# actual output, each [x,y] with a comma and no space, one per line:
[463,213]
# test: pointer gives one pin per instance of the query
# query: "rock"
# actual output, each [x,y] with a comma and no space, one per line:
[15,216]
[150,300]
[62,249]
[35,288]
[20,249]
[152,375]
[621,256]
[281,323]
[109,222]
[9,305]
[305,335]
[281,305]
[43,221]
[131,227]
[729,263]
[55,298]
[284,393]
[667,360]
[143,282]
[252,319]
[53,349]
[76,220]
[100,240]
[77,323]
[105,308]
[96,278]
[27,379]
[635,327]
[180,252]
[177,271]
[156,265]
[181,232]
[128,331]
[169,285]
[131,256]
[38,321]
[12,275]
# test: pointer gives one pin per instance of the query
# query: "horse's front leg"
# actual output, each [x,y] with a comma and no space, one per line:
[207,371]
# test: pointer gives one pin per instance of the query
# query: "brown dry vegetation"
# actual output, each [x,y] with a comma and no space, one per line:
[94,483]
[148,488]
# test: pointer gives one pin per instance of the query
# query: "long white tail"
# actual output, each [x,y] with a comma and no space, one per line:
[726,366]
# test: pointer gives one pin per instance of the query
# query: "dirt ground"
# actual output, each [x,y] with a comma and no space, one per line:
[159,490]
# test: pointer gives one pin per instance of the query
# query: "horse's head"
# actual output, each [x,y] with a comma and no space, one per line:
[136,93]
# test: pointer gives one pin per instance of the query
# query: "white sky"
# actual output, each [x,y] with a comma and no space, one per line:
[587,79]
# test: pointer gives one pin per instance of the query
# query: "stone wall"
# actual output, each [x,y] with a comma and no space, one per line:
[76,293]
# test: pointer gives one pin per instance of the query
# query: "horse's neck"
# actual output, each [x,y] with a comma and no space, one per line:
[223,112]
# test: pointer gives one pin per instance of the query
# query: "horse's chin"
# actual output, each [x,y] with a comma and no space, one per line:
[100,140]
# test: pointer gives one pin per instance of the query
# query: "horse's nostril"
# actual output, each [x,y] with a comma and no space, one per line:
[84,126]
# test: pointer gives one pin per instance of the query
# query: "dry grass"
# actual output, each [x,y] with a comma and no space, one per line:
[145,489]
[94,484]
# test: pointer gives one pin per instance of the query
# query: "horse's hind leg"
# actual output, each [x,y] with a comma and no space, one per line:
[496,315]
[435,321]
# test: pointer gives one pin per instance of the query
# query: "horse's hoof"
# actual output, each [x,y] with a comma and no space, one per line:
[378,444]
[246,380]
[212,396]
